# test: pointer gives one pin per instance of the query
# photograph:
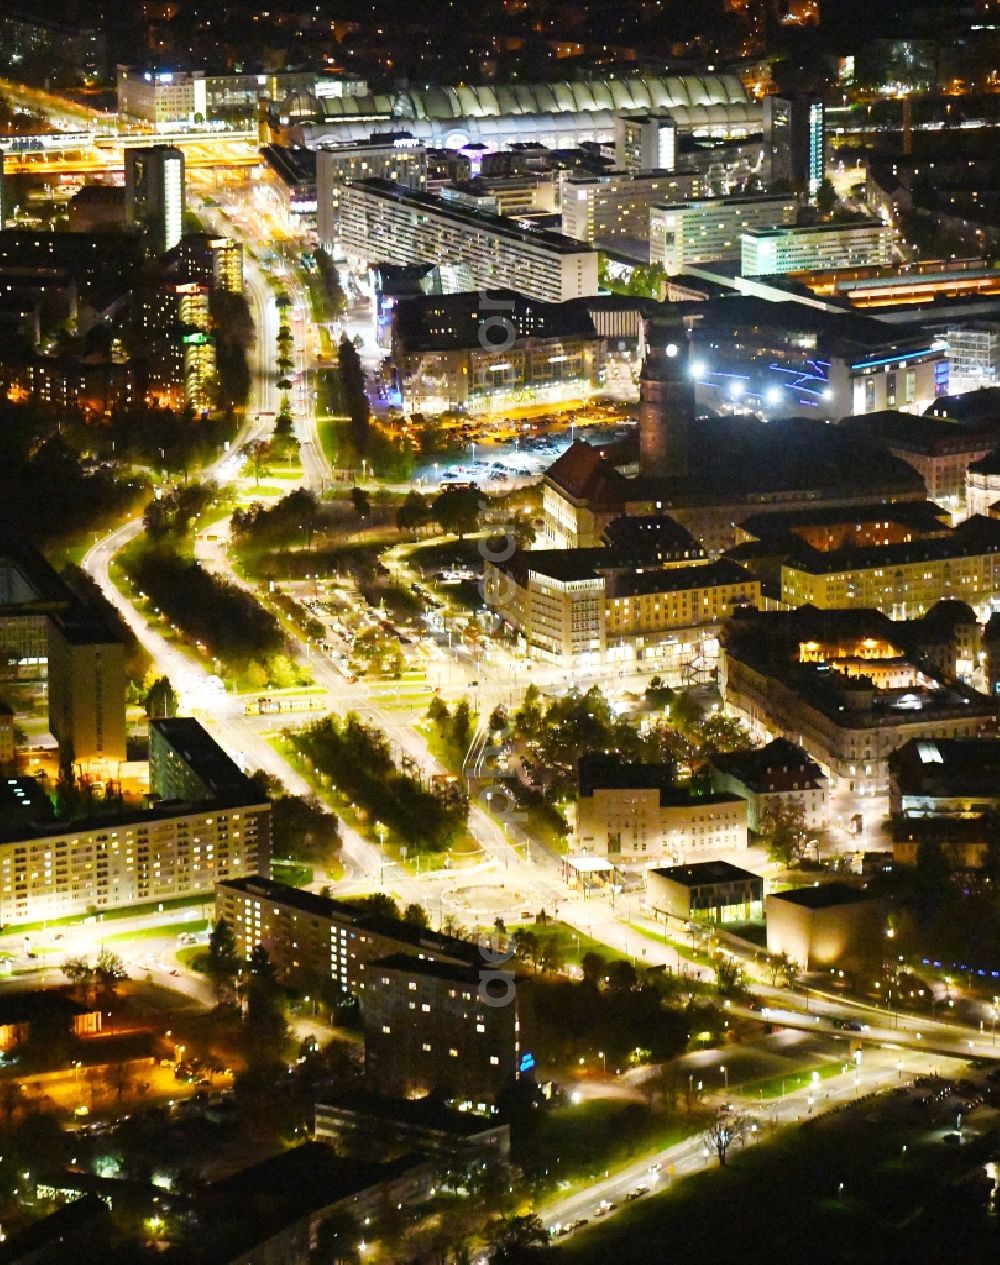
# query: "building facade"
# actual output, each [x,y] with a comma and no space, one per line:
[488,351]
[635,815]
[646,142]
[154,194]
[310,937]
[711,891]
[614,209]
[135,859]
[382,222]
[87,691]
[396,157]
[812,247]
[162,97]
[778,776]
[795,142]
[831,925]
[841,686]
[903,580]
[430,1028]
[701,230]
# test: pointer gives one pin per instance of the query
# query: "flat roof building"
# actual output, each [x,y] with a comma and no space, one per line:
[380,221]
[613,210]
[635,814]
[87,685]
[829,925]
[808,247]
[437,1027]
[451,351]
[714,891]
[308,936]
[702,230]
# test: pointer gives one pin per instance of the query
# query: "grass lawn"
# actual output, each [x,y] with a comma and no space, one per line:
[292,873]
[112,915]
[157,933]
[572,944]
[581,1142]
[837,1190]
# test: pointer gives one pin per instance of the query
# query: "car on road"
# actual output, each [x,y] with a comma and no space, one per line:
[605,1207]
[636,1193]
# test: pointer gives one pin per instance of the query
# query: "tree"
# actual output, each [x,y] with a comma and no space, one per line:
[156,520]
[456,510]
[337,1239]
[264,1025]
[109,970]
[782,970]
[413,512]
[594,967]
[79,972]
[259,452]
[730,978]
[161,699]
[517,1240]
[826,198]
[361,502]
[353,393]
[658,692]
[621,976]
[378,903]
[416,916]
[223,961]
[782,828]
[302,830]
[727,1128]
[461,726]
[526,945]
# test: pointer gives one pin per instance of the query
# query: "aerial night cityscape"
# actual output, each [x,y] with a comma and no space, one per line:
[499,632]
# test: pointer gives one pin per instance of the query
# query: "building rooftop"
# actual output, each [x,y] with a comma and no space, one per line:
[706,873]
[597,771]
[657,535]
[318,906]
[498,225]
[624,584]
[428,1112]
[771,643]
[585,474]
[988,465]
[310,1176]
[458,972]
[202,754]
[920,516]
[946,767]
[683,93]
[765,769]
[443,322]
[823,895]
[925,435]
[809,230]
[26,1006]
[292,166]
[975,535]
[27,580]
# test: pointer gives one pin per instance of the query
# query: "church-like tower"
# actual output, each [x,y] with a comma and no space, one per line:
[666,402]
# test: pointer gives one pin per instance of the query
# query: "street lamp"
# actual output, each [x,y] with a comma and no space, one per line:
[725,1073]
